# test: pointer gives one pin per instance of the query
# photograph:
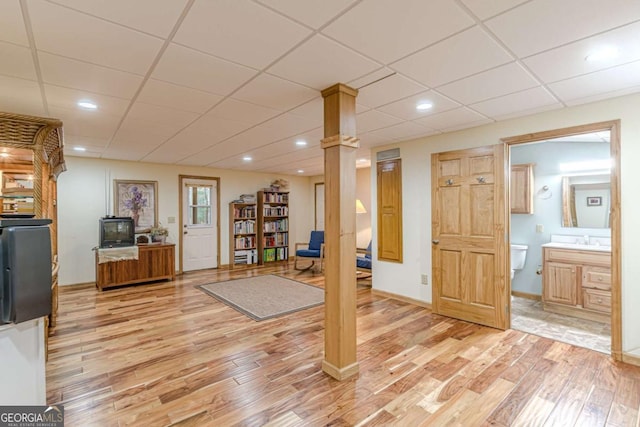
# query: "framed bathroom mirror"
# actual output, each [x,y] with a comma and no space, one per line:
[586,201]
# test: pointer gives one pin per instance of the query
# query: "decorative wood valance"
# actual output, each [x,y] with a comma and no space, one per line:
[43,135]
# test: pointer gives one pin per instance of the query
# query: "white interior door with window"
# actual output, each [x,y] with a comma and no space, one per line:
[199,224]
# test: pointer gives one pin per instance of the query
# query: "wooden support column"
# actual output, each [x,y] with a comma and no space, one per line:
[340,144]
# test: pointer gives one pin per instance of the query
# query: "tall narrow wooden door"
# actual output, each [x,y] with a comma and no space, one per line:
[469,237]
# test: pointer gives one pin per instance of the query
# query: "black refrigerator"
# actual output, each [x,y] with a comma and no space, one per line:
[25,269]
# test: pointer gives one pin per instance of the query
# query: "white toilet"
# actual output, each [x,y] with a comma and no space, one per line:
[518,256]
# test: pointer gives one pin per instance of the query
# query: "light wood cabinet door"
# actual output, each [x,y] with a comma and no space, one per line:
[560,283]
[521,189]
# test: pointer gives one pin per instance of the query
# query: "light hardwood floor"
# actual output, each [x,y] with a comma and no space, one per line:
[168,354]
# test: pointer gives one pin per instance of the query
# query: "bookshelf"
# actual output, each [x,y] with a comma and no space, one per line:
[243,234]
[273,226]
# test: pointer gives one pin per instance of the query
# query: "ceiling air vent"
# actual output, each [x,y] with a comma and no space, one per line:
[381,156]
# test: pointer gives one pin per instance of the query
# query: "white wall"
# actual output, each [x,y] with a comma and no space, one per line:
[404,279]
[23,380]
[82,200]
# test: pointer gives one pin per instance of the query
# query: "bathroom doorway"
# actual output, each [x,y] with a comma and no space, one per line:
[565,282]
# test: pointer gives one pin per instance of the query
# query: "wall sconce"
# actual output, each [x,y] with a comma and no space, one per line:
[360,207]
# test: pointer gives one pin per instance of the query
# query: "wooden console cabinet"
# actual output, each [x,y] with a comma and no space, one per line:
[155,262]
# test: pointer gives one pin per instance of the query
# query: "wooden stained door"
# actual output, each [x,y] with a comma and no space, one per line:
[469,237]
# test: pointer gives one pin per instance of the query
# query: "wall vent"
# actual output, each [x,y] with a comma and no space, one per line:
[394,153]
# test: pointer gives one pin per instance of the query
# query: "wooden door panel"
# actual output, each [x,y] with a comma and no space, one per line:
[482,266]
[468,231]
[481,165]
[481,210]
[451,221]
[560,286]
[450,267]
[450,168]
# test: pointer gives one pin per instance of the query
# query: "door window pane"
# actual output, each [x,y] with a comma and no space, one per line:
[199,205]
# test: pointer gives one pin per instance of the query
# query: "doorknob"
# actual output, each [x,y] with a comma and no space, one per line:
[185,232]
[435,242]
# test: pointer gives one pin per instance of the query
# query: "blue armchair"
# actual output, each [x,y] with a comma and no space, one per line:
[314,251]
[363,263]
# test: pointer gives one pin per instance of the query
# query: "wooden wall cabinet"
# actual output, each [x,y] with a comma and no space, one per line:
[521,189]
[155,262]
[577,283]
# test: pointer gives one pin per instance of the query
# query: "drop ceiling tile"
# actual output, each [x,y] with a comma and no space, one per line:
[86,124]
[92,39]
[370,139]
[601,82]
[12,23]
[314,64]
[385,32]
[462,55]
[312,111]
[312,13]
[189,68]
[459,118]
[165,94]
[161,117]
[21,96]
[484,9]
[16,61]
[68,98]
[243,112]
[374,76]
[526,30]
[402,131]
[489,84]
[517,104]
[194,139]
[60,71]
[388,90]
[156,17]
[373,119]
[274,92]
[235,30]
[93,146]
[127,150]
[406,108]
[572,56]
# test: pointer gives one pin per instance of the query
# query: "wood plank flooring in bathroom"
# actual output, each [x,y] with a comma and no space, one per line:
[167,354]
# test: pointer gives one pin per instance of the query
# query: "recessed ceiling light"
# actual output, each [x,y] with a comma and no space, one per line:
[300,171]
[301,143]
[247,158]
[79,149]
[87,105]
[4,154]
[602,54]
[425,105]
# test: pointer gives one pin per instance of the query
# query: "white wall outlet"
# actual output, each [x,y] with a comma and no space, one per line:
[539,228]
[171,220]
[424,279]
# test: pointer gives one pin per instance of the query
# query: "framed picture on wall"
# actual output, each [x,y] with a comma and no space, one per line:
[594,201]
[139,200]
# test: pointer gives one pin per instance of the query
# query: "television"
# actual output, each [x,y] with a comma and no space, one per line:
[117,231]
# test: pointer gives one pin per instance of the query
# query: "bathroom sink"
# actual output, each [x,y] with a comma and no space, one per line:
[577,246]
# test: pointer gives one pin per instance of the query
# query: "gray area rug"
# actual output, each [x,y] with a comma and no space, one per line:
[264,297]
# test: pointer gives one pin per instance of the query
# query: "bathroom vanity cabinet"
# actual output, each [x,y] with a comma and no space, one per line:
[577,282]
